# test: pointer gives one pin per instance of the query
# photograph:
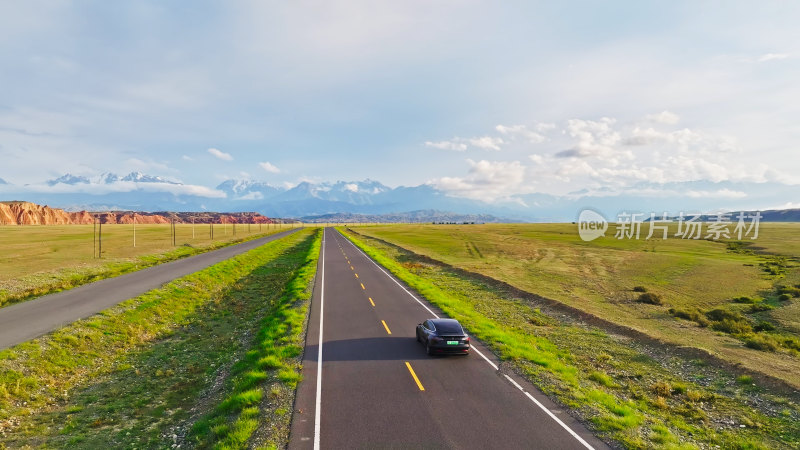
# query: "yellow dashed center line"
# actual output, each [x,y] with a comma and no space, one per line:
[386,326]
[414,375]
[362,286]
[370,300]
[352,268]
[356,275]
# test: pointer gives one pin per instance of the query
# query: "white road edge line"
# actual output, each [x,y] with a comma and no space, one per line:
[549,413]
[494,366]
[318,410]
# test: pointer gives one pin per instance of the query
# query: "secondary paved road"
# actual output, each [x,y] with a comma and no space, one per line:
[378,388]
[27,320]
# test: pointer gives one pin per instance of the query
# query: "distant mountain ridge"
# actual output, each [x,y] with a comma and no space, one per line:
[355,192]
[421,216]
[770,215]
[137,191]
[107,178]
[782,215]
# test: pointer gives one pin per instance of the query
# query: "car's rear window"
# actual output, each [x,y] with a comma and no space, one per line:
[448,327]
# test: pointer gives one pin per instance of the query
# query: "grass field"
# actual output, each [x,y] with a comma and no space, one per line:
[38,259]
[691,277]
[217,348]
[638,394]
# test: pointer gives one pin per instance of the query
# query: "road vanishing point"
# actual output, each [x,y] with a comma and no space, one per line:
[367,383]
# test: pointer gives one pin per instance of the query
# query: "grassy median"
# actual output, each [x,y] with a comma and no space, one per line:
[636,394]
[143,373]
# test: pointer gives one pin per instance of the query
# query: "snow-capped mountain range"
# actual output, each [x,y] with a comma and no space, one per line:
[142,192]
[138,191]
[107,178]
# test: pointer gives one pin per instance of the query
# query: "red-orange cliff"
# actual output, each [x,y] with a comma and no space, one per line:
[26,213]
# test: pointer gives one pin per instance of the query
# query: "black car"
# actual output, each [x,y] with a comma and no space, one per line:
[443,336]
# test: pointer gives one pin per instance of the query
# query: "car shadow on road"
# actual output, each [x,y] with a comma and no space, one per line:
[387,348]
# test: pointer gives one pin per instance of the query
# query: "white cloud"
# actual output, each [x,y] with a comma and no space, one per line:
[461,144]
[138,164]
[719,193]
[447,145]
[352,187]
[772,57]
[605,153]
[510,129]
[787,205]
[255,195]
[486,142]
[269,167]
[596,139]
[522,131]
[646,136]
[486,180]
[220,154]
[665,117]
[121,186]
[187,158]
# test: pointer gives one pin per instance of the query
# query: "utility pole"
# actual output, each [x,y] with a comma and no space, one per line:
[94,237]
[173,232]
[134,230]
[192,227]
[100,240]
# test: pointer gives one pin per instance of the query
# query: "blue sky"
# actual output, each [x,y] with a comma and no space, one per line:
[480,99]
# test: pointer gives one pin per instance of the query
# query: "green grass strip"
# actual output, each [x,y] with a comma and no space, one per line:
[272,363]
[41,374]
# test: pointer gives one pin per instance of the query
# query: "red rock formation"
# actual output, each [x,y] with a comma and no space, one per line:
[81,218]
[26,213]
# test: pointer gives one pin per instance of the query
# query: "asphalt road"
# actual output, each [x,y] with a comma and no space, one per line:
[27,320]
[376,387]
